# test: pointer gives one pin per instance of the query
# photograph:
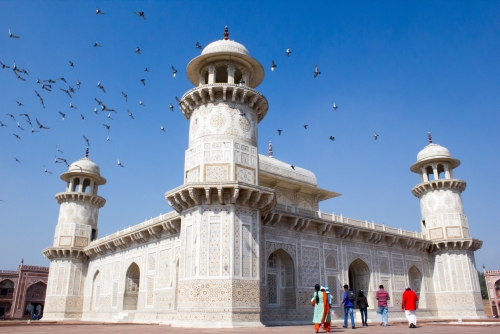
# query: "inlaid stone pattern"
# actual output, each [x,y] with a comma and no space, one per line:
[310,258]
[245,175]
[245,154]
[217,173]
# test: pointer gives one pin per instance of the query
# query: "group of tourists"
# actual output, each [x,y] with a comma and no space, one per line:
[323,312]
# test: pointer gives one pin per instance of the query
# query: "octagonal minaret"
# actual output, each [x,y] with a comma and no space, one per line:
[454,274]
[76,228]
[221,202]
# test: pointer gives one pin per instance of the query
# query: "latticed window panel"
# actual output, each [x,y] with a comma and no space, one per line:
[272,286]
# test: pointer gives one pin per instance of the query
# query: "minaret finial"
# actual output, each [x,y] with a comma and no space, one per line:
[226,33]
[270,152]
[87,152]
[430,137]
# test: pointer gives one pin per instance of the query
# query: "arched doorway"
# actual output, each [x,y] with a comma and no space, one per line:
[35,295]
[415,278]
[359,278]
[132,281]
[96,291]
[6,291]
[281,280]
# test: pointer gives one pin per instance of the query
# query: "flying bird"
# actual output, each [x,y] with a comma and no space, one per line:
[142,104]
[171,107]
[62,79]
[96,44]
[198,46]
[66,91]
[279,132]
[293,167]
[147,69]
[63,115]
[56,160]
[130,114]
[46,171]
[17,159]
[375,135]
[138,50]
[71,89]
[83,118]
[40,125]
[19,77]
[33,130]
[143,81]
[98,11]
[5,66]
[95,110]
[27,116]
[162,128]
[335,106]
[107,139]
[10,115]
[1,124]
[12,36]
[174,71]
[305,126]
[141,14]
[58,150]
[120,164]
[78,83]
[178,101]
[107,127]
[19,126]
[48,88]
[72,106]
[316,71]
[101,87]
[86,139]
[125,96]
[332,138]
[19,103]
[111,118]
[288,52]
[71,64]
[273,66]
[17,136]
[50,81]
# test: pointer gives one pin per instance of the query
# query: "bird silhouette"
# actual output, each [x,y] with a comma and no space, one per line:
[19,126]
[335,106]
[162,128]
[375,135]
[279,132]
[78,83]
[288,52]
[71,64]
[17,136]
[83,118]
[273,66]
[97,45]
[72,106]
[62,79]
[40,125]
[138,50]
[143,82]
[198,46]
[12,36]
[146,69]
[305,126]
[17,159]
[142,104]
[125,96]
[107,127]
[130,114]
[58,150]
[5,66]
[171,107]
[174,71]
[332,138]
[2,124]
[98,12]
[86,139]
[141,14]
[19,103]
[63,115]
[45,169]
[120,164]
[316,71]
[293,167]
[12,116]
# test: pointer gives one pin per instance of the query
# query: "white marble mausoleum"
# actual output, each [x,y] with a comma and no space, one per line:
[247,241]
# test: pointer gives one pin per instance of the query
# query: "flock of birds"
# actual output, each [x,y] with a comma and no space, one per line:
[49,86]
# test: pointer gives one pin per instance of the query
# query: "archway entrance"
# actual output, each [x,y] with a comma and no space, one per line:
[281,280]
[96,291]
[359,278]
[415,278]
[36,296]
[132,281]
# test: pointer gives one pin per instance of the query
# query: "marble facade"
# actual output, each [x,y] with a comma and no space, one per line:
[246,241]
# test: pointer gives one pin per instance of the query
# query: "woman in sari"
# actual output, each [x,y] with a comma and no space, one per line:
[321,309]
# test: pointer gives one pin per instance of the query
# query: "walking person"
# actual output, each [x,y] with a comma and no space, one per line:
[362,304]
[382,297]
[321,309]
[348,302]
[409,305]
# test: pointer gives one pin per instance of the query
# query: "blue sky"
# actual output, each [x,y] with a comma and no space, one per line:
[399,68]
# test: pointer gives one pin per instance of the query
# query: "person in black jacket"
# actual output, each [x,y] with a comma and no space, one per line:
[362,303]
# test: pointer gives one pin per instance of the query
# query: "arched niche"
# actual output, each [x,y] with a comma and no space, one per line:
[359,278]
[330,262]
[281,280]
[96,291]
[132,283]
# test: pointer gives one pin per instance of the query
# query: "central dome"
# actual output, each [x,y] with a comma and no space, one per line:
[84,166]
[225,46]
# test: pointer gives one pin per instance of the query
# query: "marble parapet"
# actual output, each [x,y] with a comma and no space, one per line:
[422,188]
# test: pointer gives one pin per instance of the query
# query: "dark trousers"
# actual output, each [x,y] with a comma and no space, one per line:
[364,314]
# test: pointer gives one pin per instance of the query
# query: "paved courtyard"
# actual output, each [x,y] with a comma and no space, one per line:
[135,328]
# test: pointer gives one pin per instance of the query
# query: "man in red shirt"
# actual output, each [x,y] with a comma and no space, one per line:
[409,305]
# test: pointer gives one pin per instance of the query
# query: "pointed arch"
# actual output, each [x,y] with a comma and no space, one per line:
[132,284]
[281,280]
[96,291]
[415,279]
[359,278]
[330,262]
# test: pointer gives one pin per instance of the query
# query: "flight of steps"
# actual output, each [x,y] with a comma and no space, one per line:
[124,317]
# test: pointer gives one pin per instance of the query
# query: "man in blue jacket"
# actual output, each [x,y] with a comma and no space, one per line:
[348,302]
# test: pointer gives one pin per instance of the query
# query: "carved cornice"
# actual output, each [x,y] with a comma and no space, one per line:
[198,95]
[77,196]
[462,244]
[422,188]
[193,194]
[63,253]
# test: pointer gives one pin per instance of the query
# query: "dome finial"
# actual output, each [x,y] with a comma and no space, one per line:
[430,137]
[270,152]
[87,152]
[226,33]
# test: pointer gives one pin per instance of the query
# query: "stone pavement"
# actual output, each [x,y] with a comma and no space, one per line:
[143,329]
